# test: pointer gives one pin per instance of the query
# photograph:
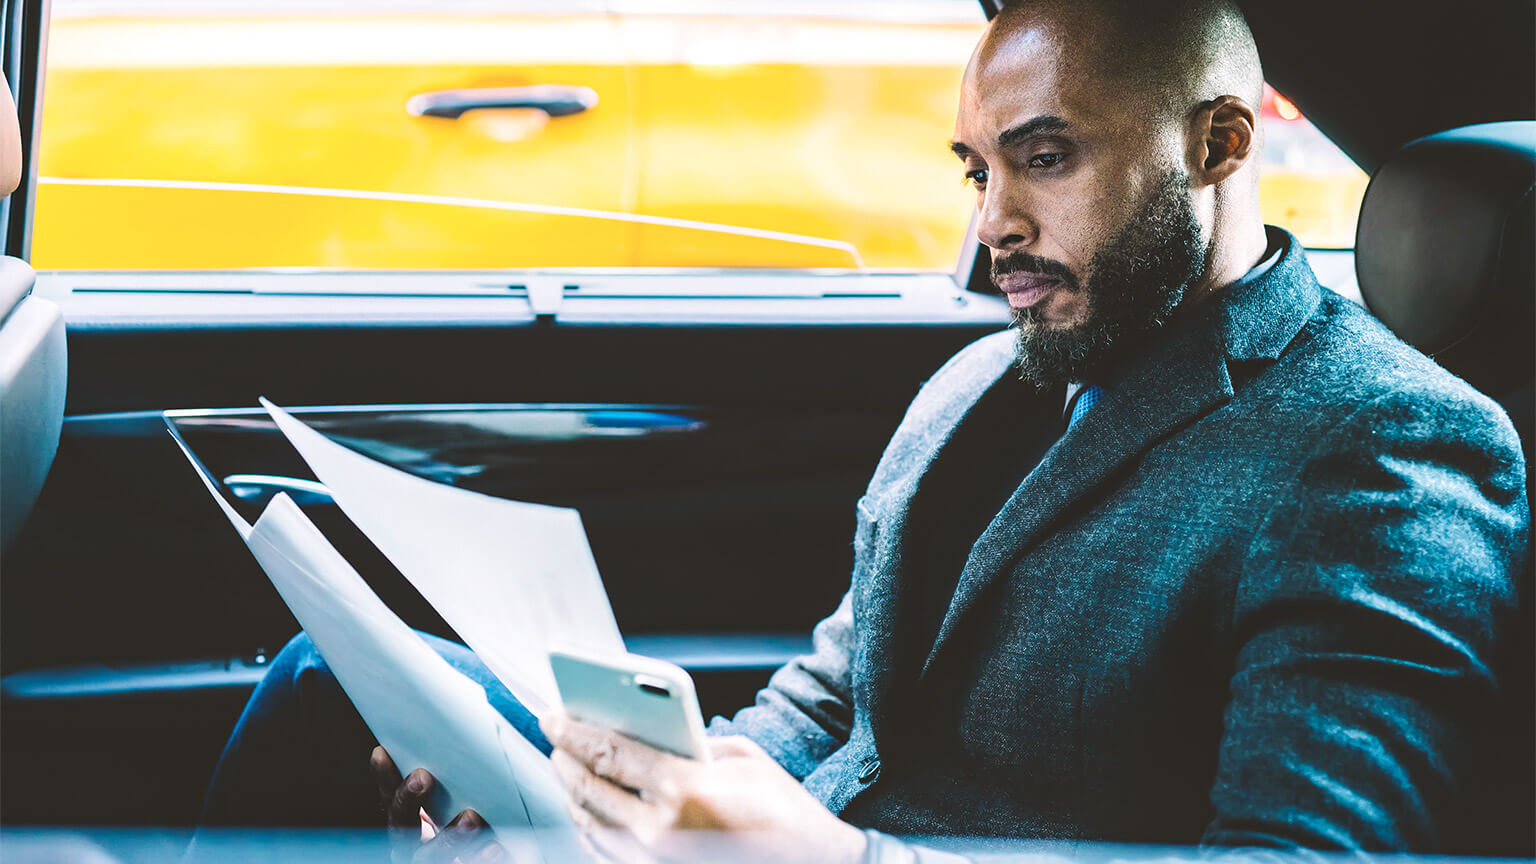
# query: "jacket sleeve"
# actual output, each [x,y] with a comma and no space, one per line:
[1365,622]
[806,711]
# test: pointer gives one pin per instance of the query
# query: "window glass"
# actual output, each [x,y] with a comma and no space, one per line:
[462,134]
[1306,183]
[491,134]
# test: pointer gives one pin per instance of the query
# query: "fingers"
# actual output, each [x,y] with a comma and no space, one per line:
[612,756]
[468,821]
[404,808]
[465,839]
[617,847]
[607,803]
[474,841]
[385,775]
[606,844]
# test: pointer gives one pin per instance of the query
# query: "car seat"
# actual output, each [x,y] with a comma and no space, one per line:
[32,370]
[1446,256]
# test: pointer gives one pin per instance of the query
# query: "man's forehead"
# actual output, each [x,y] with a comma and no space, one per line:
[1009,43]
[1011,88]
[1026,68]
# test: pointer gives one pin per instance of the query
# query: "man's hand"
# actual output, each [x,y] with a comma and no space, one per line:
[413,836]
[624,793]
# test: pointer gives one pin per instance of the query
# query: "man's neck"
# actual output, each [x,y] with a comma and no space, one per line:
[1230,258]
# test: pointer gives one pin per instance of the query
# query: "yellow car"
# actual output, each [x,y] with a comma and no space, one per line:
[460,134]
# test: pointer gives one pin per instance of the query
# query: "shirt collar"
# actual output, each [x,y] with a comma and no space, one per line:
[1066,407]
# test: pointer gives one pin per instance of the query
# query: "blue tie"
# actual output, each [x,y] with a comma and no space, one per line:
[1085,399]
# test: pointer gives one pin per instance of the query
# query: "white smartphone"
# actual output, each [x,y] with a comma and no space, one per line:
[649,700]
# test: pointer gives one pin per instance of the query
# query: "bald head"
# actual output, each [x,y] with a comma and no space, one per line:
[1174,54]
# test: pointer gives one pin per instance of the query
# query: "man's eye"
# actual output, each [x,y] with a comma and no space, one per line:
[1046,160]
[977,178]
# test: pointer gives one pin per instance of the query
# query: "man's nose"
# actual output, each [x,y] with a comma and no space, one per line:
[1005,221]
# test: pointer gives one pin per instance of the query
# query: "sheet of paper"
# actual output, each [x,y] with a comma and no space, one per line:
[424,712]
[513,579]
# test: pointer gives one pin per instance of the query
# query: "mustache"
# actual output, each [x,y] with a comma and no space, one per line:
[1023,262]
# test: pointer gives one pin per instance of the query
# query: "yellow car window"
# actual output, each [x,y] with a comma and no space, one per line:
[1306,183]
[473,135]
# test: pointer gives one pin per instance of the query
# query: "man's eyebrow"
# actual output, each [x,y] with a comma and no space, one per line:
[1045,124]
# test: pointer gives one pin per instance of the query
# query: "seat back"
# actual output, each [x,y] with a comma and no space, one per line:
[33,364]
[1446,257]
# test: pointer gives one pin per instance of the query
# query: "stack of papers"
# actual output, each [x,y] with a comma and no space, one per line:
[510,578]
[513,579]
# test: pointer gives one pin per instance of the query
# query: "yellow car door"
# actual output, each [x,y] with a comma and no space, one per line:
[820,128]
[424,134]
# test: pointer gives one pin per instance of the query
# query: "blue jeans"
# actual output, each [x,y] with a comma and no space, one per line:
[299,752]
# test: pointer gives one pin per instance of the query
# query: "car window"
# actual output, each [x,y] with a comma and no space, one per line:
[440,135]
[1306,183]
[475,135]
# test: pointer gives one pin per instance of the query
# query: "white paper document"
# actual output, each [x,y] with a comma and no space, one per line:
[513,579]
[425,713]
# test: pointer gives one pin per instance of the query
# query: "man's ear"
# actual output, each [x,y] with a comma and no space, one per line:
[1224,137]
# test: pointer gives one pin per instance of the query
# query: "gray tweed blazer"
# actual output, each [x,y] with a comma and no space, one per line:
[1251,598]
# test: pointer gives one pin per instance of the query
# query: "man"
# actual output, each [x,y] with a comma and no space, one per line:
[1246,598]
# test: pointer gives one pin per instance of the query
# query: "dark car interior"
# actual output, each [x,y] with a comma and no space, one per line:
[715,456]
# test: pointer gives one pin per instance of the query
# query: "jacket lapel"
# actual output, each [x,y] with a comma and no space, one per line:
[1181,377]
[929,425]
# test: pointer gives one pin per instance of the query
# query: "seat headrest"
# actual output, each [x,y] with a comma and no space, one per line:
[1444,247]
[16,280]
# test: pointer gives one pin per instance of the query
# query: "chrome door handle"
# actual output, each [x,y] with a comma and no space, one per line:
[260,488]
[556,100]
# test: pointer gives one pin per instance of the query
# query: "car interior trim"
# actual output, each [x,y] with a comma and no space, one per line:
[713,652]
[118,301]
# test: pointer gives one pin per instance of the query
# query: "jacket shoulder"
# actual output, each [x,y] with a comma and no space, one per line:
[1347,364]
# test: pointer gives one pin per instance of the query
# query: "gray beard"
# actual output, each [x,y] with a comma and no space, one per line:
[1135,281]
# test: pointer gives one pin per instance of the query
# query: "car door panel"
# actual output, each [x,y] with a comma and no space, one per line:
[744,118]
[715,467]
[254,136]
[714,427]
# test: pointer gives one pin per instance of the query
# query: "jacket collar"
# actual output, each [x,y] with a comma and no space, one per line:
[1259,317]
[1181,376]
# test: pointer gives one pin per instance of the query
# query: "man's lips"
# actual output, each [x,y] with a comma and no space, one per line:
[1026,289]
